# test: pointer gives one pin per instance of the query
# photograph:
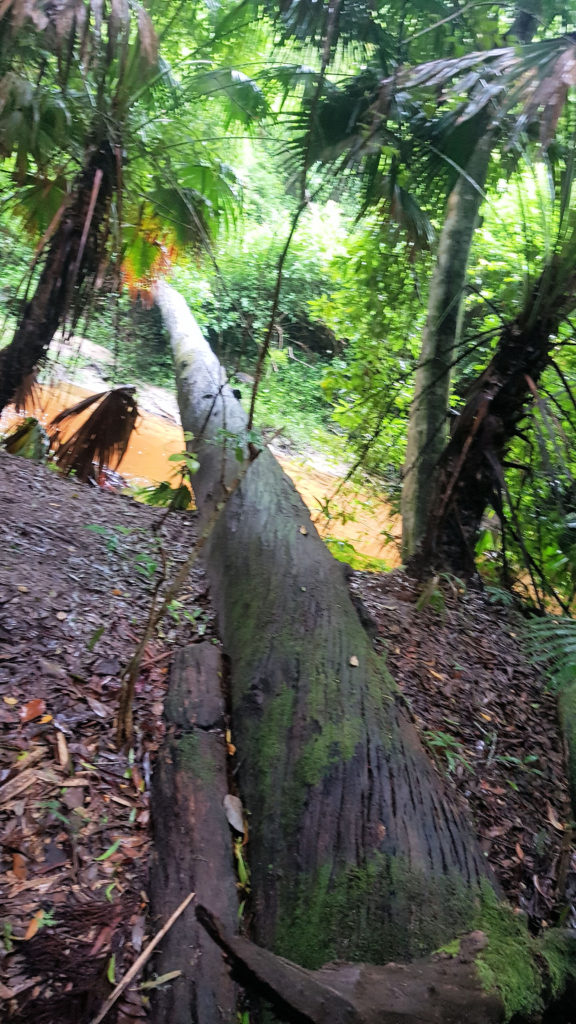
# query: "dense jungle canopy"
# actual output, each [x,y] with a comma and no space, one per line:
[343,233]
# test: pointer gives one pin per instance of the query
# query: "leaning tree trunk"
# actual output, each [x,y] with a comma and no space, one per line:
[357,849]
[73,254]
[427,428]
[469,475]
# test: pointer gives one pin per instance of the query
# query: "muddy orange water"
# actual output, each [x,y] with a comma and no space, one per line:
[158,437]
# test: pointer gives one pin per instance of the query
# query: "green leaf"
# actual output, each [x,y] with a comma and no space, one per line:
[111,849]
[95,637]
[162,979]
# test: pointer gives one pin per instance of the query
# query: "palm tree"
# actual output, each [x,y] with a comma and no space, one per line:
[84,132]
[470,472]
[412,162]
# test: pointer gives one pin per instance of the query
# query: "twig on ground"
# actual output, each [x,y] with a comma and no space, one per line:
[141,960]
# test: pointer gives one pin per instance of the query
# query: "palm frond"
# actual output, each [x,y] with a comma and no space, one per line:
[244,98]
[26,396]
[103,439]
[531,82]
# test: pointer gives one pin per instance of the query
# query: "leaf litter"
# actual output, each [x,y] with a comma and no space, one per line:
[77,570]
[490,722]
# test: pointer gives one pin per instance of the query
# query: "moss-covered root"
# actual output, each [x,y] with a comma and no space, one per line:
[440,990]
[567,709]
[490,976]
[529,975]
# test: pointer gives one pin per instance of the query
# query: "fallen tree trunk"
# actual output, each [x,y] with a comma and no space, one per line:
[357,849]
[192,850]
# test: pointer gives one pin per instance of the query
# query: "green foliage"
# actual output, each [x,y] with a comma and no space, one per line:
[163,495]
[447,749]
[344,551]
[377,307]
[551,642]
[233,303]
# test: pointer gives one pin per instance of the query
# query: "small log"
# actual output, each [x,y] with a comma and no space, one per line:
[192,843]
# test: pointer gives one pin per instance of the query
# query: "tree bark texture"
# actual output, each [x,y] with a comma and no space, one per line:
[357,849]
[444,989]
[72,255]
[469,476]
[192,843]
[428,427]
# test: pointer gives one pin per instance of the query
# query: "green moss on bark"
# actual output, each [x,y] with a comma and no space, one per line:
[192,759]
[508,964]
[384,911]
[559,952]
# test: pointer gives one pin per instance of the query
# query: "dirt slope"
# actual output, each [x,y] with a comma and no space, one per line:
[77,570]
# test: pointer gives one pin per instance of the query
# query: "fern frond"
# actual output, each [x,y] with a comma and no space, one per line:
[551,642]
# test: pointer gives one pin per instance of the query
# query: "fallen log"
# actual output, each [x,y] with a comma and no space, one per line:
[192,843]
[358,850]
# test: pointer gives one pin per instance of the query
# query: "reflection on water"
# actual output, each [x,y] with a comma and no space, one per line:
[156,438]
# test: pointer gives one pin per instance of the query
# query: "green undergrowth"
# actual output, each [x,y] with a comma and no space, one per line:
[344,551]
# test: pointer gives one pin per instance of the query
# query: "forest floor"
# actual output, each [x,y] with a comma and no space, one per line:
[78,569]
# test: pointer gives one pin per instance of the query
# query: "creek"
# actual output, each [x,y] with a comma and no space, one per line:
[360,518]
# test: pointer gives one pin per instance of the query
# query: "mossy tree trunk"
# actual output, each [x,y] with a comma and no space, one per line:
[428,425]
[357,849]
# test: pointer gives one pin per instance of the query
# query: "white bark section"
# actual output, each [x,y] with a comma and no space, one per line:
[208,407]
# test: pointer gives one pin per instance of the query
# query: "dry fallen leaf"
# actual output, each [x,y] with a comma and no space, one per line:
[10,701]
[234,812]
[33,709]
[519,851]
[552,818]
[34,925]
[19,866]
[63,754]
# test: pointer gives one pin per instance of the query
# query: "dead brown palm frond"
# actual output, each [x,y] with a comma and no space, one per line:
[531,82]
[103,439]
[27,395]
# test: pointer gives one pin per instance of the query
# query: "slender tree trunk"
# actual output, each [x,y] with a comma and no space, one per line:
[469,475]
[357,849]
[72,255]
[427,428]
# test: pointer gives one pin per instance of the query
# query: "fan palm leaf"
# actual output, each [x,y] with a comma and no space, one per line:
[100,90]
[102,439]
[531,83]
